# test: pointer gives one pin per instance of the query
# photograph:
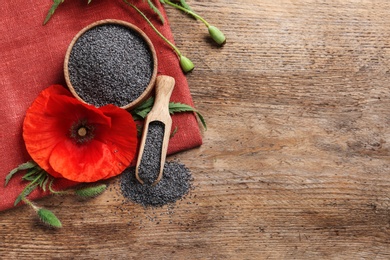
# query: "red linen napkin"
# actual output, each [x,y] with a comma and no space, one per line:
[32,58]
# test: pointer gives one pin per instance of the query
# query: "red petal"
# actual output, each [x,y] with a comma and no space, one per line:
[69,110]
[82,163]
[40,133]
[122,137]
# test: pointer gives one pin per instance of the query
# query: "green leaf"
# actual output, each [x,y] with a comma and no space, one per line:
[43,185]
[31,174]
[51,186]
[185,5]
[156,11]
[27,190]
[202,120]
[179,107]
[142,111]
[48,217]
[23,166]
[147,104]
[43,179]
[91,191]
[52,10]
[31,186]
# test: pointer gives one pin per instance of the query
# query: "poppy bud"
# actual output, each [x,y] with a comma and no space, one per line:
[217,35]
[93,191]
[48,217]
[186,64]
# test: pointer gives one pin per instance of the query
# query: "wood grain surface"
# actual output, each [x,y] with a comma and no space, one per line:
[295,162]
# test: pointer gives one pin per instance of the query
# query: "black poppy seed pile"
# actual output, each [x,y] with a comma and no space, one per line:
[150,162]
[174,184]
[110,64]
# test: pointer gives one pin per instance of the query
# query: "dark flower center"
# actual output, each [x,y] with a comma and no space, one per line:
[82,132]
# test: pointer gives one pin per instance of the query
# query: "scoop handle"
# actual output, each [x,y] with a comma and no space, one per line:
[164,88]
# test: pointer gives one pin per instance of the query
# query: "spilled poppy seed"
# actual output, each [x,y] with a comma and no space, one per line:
[175,183]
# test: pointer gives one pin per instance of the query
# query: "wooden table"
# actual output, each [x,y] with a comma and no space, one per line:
[295,162]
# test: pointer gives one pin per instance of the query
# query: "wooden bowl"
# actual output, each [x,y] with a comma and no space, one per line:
[146,93]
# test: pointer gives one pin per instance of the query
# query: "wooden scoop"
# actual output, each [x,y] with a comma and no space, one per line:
[160,112]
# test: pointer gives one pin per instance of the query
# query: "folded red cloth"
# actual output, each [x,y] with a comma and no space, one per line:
[32,58]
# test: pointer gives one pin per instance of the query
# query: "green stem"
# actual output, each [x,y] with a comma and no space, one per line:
[188,12]
[55,192]
[28,202]
[50,186]
[154,28]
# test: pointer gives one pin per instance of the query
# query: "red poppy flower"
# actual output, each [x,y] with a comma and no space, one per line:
[76,141]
